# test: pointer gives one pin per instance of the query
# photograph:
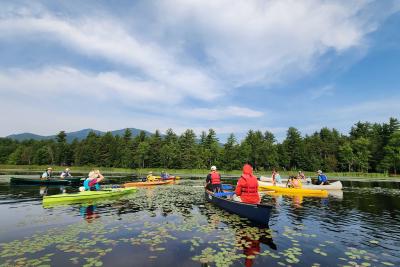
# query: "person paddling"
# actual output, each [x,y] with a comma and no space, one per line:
[214,180]
[321,179]
[92,182]
[48,174]
[247,186]
[294,182]
[66,173]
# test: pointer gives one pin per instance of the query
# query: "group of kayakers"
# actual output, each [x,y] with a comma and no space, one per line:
[48,174]
[247,185]
[246,188]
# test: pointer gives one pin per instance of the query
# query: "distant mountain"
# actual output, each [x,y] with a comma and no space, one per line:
[82,134]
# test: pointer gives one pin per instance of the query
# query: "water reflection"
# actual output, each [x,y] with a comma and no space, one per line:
[168,226]
[88,212]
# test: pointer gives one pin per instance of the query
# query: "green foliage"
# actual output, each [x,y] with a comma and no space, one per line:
[370,147]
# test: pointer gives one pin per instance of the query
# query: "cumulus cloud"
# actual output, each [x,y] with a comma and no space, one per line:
[107,39]
[253,41]
[60,81]
[182,54]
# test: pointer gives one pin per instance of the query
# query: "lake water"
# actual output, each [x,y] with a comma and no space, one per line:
[174,226]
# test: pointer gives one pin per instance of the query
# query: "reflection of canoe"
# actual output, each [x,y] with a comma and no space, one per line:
[147,183]
[332,186]
[258,213]
[299,191]
[82,196]
[293,194]
[51,181]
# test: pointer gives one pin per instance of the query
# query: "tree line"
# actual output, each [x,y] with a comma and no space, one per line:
[369,147]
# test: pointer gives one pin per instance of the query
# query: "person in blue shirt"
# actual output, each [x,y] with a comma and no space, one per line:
[321,179]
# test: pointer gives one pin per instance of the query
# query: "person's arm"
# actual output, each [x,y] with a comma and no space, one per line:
[238,190]
[208,179]
[100,178]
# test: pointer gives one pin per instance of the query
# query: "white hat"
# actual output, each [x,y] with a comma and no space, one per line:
[213,168]
[319,171]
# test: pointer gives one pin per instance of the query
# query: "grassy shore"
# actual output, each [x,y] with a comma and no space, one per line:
[183,172]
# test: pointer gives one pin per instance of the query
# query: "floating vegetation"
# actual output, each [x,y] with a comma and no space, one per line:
[153,222]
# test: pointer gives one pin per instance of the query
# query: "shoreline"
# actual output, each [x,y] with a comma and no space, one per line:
[188,173]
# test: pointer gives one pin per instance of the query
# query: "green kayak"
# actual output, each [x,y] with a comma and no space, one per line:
[87,195]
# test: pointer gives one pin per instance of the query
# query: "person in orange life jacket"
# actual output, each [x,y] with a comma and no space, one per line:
[214,180]
[247,186]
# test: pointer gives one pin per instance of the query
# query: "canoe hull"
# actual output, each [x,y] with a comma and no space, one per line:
[257,213]
[332,186]
[140,184]
[293,191]
[87,195]
[53,181]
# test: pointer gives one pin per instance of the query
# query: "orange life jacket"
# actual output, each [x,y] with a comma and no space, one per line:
[215,178]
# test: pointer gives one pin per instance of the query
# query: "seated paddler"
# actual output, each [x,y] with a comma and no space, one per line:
[92,182]
[247,186]
[214,180]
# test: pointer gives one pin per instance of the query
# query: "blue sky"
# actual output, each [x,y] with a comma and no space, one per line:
[231,66]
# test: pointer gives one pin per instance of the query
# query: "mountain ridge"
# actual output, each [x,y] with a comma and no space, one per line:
[80,135]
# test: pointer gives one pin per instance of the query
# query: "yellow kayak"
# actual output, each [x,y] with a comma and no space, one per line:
[297,191]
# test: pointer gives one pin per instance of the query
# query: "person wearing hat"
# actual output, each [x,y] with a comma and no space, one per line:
[47,174]
[214,180]
[66,173]
[321,179]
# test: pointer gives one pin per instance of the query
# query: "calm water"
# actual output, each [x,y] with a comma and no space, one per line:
[173,226]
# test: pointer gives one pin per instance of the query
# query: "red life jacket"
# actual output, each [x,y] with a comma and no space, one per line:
[215,178]
[251,186]
[249,189]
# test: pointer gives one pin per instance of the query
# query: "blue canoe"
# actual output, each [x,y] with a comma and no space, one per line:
[257,213]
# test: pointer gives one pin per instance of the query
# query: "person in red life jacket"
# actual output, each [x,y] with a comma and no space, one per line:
[214,180]
[247,186]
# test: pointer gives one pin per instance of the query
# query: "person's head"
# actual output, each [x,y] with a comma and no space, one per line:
[319,172]
[213,168]
[67,169]
[150,173]
[247,169]
[299,172]
[49,169]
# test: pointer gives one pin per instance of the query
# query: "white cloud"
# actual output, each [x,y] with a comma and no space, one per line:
[107,39]
[187,50]
[57,82]
[222,113]
[253,41]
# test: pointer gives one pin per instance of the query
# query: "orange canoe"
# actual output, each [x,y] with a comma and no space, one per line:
[135,184]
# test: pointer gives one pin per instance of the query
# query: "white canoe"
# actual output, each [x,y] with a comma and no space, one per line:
[332,186]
